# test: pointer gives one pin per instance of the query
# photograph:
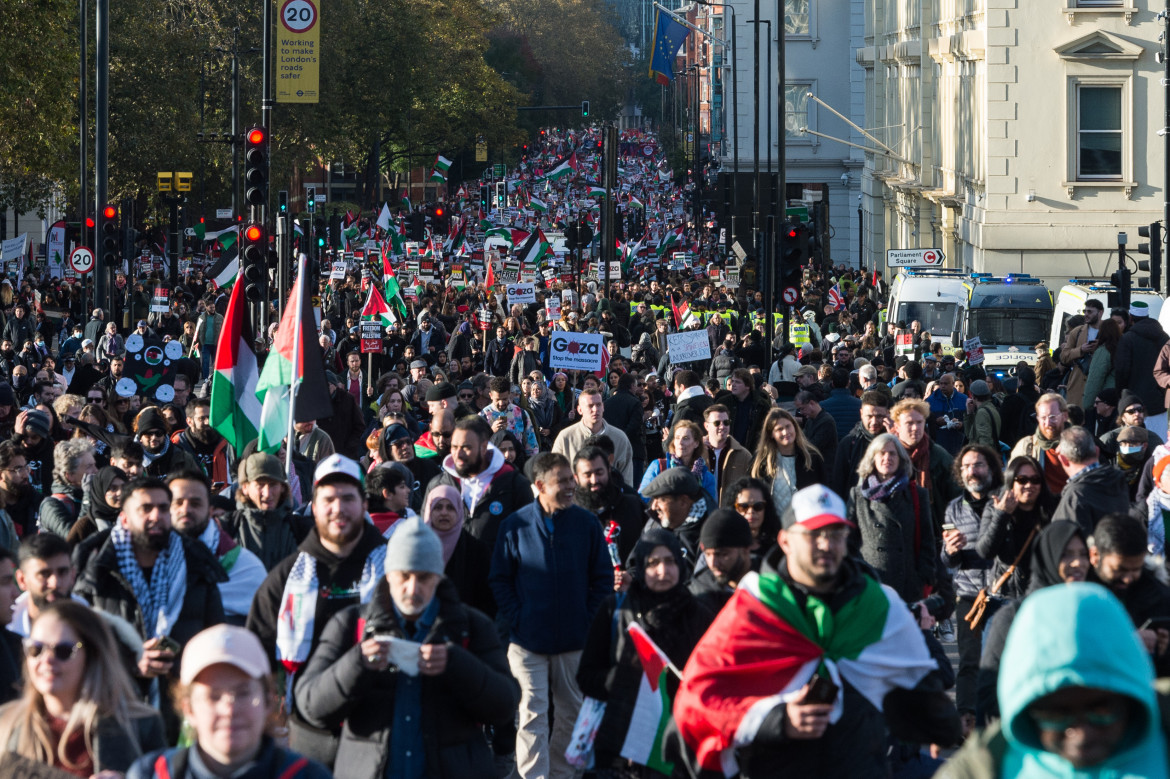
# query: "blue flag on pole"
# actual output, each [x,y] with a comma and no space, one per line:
[669,35]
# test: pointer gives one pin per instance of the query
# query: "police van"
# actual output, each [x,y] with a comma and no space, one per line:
[935,297]
[1070,302]
[1009,314]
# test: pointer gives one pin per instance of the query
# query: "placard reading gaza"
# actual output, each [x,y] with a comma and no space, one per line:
[575,351]
[521,293]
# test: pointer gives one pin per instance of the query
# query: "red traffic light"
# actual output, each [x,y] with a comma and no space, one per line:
[256,136]
[253,233]
[110,212]
[791,232]
[89,223]
[439,211]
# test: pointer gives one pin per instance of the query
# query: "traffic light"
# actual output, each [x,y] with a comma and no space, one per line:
[109,235]
[438,216]
[584,109]
[282,202]
[418,226]
[256,166]
[311,199]
[571,236]
[1152,231]
[483,197]
[254,261]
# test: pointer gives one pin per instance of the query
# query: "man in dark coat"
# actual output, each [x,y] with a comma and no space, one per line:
[118,575]
[424,715]
[598,492]
[623,410]
[690,399]
[1093,490]
[344,424]
[875,413]
[841,405]
[747,406]
[1134,359]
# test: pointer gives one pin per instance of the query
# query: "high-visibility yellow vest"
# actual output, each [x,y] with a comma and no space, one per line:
[798,335]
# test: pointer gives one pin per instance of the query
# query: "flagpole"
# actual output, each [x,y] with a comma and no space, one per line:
[302,280]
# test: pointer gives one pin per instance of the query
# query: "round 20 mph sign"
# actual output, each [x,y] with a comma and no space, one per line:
[298,16]
[81,260]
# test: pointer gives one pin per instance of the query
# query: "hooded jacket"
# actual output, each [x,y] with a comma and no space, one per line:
[1075,635]
[1135,355]
[1089,496]
[270,535]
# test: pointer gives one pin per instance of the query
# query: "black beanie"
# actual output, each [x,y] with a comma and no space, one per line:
[723,529]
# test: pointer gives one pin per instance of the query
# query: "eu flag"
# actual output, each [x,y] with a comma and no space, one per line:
[668,37]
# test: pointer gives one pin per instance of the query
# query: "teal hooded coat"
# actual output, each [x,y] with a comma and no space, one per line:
[1066,636]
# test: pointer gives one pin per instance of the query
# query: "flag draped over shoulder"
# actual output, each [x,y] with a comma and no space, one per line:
[295,359]
[235,409]
[766,644]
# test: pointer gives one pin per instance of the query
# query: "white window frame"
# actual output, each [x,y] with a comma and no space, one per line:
[1074,178]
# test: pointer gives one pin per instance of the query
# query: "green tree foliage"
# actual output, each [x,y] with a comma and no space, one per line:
[38,99]
[561,52]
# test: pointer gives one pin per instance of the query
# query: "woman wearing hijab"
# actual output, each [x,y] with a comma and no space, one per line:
[1077,693]
[101,504]
[660,603]
[507,442]
[467,561]
[1059,556]
[565,397]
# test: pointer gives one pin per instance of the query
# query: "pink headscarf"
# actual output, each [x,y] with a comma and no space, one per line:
[449,538]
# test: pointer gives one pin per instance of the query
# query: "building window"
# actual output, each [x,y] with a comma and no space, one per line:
[796,111]
[1098,3]
[1099,132]
[796,17]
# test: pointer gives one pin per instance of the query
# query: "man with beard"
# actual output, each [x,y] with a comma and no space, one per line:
[264,522]
[160,455]
[1117,554]
[203,442]
[339,564]
[491,488]
[436,442]
[191,518]
[977,469]
[875,416]
[107,384]
[157,580]
[17,496]
[45,574]
[597,492]
[726,544]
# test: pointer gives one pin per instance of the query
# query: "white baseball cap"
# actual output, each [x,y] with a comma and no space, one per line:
[227,644]
[341,465]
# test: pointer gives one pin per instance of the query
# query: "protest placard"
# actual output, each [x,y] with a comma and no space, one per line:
[576,351]
[521,293]
[689,346]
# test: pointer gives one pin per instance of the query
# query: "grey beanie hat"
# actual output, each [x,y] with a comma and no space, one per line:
[413,546]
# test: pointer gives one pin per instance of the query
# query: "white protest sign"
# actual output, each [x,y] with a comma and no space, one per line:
[974,349]
[521,293]
[338,270]
[689,346]
[14,248]
[576,351]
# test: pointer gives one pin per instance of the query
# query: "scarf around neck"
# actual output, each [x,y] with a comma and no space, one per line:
[876,489]
[160,600]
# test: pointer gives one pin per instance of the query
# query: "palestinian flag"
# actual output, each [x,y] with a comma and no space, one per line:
[683,316]
[227,267]
[635,202]
[393,291]
[533,250]
[384,217]
[565,167]
[294,361]
[490,280]
[670,240]
[442,165]
[537,205]
[376,308]
[651,715]
[596,191]
[405,202]
[512,235]
[235,410]
[766,644]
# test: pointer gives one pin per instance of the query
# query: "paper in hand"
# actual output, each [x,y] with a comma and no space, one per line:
[402,653]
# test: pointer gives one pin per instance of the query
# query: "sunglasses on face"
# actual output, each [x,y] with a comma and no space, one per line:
[1024,481]
[758,505]
[63,651]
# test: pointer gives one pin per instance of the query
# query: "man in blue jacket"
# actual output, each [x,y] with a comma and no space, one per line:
[549,575]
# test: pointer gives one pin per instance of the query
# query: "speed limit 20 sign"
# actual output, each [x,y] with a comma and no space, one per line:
[81,260]
[298,51]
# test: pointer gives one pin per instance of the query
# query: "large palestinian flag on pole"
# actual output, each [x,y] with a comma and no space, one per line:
[767,643]
[235,409]
[294,364]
